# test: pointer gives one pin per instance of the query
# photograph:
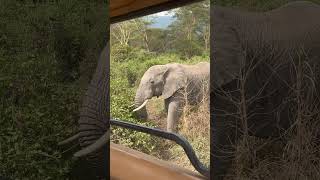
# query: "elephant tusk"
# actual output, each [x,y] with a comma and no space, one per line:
[140,107]
[95,146]
[69,140]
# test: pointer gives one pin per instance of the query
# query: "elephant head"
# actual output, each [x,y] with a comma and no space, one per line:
[159,80]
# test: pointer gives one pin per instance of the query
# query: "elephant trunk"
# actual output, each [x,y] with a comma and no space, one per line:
[140,105]
[94,119]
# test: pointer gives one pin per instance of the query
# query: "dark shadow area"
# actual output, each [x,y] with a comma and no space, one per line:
[265,89]
[49,56]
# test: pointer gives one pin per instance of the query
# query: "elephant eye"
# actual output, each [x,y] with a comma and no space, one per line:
[151,81]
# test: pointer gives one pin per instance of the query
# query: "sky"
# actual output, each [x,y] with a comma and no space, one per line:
[164,13]
[162,19]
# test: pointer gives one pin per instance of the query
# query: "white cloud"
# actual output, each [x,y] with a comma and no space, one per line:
[164,13]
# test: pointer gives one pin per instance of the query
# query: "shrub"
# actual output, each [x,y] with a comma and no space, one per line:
[39,44]
[188,48]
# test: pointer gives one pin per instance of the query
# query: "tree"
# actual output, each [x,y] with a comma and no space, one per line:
[122,32]
[192,24]
[136,29]
[158,40]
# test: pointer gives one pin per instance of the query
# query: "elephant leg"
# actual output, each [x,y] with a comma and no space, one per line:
[166,105]
[175,109]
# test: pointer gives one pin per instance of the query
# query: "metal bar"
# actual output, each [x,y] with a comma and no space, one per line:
[167,135]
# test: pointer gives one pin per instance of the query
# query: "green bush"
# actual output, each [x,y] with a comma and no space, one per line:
[188,48]
[35,111]
[120,53]
[39,45]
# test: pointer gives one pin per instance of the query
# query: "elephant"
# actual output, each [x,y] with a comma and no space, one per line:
[93,125]
[178,84]
[255,56]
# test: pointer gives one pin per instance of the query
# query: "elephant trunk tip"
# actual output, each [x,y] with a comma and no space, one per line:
[103,140]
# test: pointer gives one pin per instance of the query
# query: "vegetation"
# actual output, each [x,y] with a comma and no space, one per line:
[135,46]
[48,51]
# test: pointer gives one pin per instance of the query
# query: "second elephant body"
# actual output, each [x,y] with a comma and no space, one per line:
[178,84]
[265,69]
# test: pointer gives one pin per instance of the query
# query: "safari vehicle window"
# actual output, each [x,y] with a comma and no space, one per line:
[159,78]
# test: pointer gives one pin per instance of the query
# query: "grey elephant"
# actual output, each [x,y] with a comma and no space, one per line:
[178,84]
[93,132]
[254,60]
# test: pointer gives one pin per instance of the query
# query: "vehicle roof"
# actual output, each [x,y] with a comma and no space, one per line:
[121,10]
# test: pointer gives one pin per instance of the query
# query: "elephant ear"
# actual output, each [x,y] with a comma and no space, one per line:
[227,52]
[174,79]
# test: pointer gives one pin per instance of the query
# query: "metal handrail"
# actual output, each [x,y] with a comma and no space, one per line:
[167,135]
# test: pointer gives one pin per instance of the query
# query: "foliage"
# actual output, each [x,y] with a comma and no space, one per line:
[43,47]
[192,27]
[120,52]
[188,48]
[187,36]
[126,32]
[158,40]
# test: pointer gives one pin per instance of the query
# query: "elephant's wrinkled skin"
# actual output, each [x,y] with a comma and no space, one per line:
[93,133]
[94,116]
[266,47]
[176,83]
